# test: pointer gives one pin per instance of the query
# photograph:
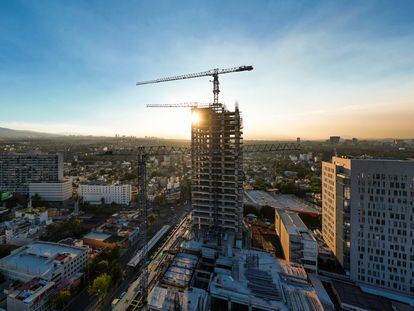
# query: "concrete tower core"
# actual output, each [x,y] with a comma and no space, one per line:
[217,172]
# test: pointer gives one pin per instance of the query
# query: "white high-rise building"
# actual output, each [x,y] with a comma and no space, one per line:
[382,224]
[95,192]
[368,205]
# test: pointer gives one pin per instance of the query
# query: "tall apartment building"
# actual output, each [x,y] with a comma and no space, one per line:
[18,170]
[380,207]
[217,172]
[336,208]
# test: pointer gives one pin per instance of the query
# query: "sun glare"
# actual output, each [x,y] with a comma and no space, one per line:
[195,118]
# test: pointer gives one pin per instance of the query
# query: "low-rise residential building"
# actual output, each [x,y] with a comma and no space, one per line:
[97,192]
[52,191]
[172,192]
[21,231]
[50,261]
[298,243]
[35,215]
[30,296]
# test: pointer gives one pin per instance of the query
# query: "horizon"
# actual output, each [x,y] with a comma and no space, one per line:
[320,69]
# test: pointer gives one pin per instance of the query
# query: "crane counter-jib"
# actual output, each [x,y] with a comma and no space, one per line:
[138,257]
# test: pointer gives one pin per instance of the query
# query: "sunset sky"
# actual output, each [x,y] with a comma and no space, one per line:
[320,68]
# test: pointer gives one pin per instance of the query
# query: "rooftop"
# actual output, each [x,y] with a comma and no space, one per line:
[38,259]
[282,201]
[257,278]
[295,225]
[181,270]
[352,295]
[30,291]
[168,299]
[98,236]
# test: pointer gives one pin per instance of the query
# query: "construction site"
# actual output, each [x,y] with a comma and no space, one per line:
[207,262]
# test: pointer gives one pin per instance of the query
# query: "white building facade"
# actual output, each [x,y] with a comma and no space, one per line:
[368,221]
[95,193]
[52,192]
[382,222]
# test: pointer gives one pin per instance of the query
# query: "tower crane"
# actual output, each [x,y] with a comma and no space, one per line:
[210,73]
[179,105]
[144,152]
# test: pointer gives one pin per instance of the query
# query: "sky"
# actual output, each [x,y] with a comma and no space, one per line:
[321,68]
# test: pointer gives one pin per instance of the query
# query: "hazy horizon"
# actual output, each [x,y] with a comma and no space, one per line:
[320,69]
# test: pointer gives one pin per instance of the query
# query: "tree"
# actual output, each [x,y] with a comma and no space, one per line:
[61,230]
[61,299]
[101,285]
[102,266]
[152,217]
[117,272]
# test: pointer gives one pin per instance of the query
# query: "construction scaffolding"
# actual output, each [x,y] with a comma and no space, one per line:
[217,171]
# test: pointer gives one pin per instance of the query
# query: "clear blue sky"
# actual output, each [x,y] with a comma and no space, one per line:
[321,68]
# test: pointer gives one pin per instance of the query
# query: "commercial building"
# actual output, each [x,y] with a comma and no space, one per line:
[298,242]
[50,261]
[336,194]
[52,191]
[217,171]
[382,220]
[18,170]
[96,192]
[374,198]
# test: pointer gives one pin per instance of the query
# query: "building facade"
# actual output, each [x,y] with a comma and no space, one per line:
[382,218]
[18,170]
[53,191]
[95,193]
[369,205]
[298,243]
[217,172]
[336,223]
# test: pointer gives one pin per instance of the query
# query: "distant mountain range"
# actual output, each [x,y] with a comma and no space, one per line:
[10,133]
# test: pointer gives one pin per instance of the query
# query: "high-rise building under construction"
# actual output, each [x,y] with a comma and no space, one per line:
[217,171]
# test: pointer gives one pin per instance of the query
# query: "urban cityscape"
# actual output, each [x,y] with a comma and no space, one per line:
[197,156]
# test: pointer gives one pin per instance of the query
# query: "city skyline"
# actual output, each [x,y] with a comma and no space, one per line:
[322,69]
